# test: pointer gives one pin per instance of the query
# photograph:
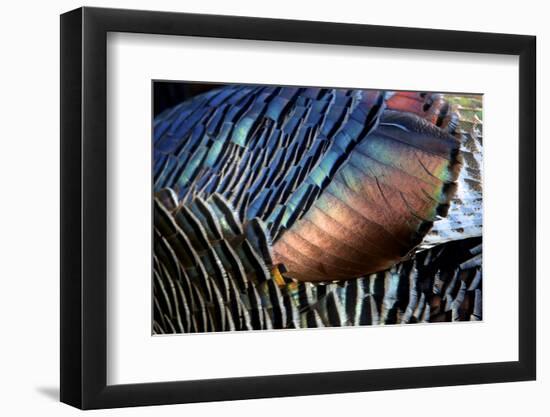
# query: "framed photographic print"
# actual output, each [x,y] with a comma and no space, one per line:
[258,208]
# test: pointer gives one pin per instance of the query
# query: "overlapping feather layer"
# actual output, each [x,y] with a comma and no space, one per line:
[259,187]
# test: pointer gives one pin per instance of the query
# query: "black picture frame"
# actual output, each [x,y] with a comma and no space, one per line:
[84,207]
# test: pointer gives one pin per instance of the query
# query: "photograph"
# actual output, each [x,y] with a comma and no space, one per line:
[268,209]
[299,207]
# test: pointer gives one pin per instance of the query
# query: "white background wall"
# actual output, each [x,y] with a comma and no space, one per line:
[29,224]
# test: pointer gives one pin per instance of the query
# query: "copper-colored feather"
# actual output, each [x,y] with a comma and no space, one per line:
[431,106]
[378,206]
